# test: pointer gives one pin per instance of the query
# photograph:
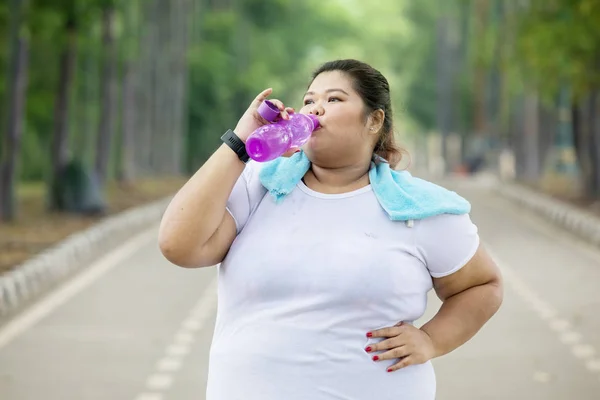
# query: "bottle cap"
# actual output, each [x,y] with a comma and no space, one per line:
[268,110]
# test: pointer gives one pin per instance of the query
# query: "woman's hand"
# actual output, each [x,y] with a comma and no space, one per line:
[411,345]
[251,120]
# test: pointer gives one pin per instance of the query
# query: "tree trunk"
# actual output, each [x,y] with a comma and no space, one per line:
[17,88]
[479,84]
[107,95]
[547,134]
[531,138]
[154,111]
[518,135]
[128,171]
[130,108]
[582,134]
[85,106]
[60,149]
[181,27]
[141,91]
[443,86]
[594,145]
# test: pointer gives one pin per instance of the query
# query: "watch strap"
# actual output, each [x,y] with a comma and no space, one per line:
[235,143]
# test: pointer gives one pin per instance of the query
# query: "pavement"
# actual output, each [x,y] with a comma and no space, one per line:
[133,327]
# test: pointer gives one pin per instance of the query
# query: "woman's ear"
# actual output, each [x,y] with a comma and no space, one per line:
[376,121]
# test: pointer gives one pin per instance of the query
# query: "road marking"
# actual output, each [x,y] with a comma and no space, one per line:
[566,334]
[168,364]
[593,365]
[45,306]
[584,351]
[176,350]
[159,381]
[149,396]
[542,377]
[162,378]
[570,337]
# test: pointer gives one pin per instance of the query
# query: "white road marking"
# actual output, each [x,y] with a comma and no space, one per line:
[583,351]
[34,314]
[159,381]
[184,338]
[570,337]
[168,364]
[162,378]
[562,327]
[593,365]
[175,350]
[149,396]
[542,377]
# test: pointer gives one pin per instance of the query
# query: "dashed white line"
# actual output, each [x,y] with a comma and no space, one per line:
[541,376]
[168,364]
[162,378]
[31,316]
[559,325]
[583,351]
[192,324]
[593,365]
[149,396]
[562,327]
[159,381]
[184,338]
[570,337]
[175,350]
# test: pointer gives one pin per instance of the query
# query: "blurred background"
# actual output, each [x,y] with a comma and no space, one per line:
[111,104]
[100,92]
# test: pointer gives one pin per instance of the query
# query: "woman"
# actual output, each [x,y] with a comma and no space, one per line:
[318,292]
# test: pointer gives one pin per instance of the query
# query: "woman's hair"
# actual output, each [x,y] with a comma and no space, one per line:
[374,89]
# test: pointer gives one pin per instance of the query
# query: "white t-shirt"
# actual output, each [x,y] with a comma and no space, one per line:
[305,280]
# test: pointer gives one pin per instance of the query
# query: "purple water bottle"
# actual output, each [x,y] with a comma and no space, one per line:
[272,140]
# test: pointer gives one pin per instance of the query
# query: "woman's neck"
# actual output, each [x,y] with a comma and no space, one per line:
[337,180]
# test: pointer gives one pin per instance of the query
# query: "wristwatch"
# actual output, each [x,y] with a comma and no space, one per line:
[236,144]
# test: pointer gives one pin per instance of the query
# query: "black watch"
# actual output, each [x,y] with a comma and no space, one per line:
[236,144]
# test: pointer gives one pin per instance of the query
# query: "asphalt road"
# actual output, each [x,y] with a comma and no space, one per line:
[132,327]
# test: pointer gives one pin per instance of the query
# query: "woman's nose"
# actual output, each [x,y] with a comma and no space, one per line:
[317,110]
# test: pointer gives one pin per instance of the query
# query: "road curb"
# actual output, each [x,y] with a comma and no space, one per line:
[52,266]
[583,224]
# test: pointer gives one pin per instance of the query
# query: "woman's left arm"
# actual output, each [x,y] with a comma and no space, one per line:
[470,296]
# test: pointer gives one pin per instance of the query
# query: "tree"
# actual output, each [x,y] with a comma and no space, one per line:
[15,106]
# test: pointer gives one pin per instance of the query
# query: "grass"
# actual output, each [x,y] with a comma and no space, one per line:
[35,229]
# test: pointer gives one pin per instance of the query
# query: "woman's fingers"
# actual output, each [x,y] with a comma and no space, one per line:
[282,110]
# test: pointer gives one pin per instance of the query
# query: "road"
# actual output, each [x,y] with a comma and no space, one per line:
[132,327]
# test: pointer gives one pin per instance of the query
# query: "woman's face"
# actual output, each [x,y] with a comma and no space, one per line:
[345,136]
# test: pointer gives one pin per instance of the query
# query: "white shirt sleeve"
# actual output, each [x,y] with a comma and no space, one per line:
[246,195]
[445,243]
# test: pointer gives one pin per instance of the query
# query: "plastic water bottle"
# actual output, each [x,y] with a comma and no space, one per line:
[272,140]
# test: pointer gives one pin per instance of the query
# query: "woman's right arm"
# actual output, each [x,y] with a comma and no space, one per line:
[196,230]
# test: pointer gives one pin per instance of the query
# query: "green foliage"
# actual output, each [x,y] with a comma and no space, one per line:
[560,39]
[240,47]
[242,53]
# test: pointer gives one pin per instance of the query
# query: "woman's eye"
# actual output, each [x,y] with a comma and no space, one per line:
[334,98]
[306,102]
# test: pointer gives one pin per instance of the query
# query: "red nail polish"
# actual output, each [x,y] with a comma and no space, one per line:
[375,358]
[369,334]
[368,349]
[389,370]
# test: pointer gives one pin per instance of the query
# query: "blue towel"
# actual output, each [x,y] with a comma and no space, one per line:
[402,196]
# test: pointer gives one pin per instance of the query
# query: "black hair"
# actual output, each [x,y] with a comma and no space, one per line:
[374,89]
